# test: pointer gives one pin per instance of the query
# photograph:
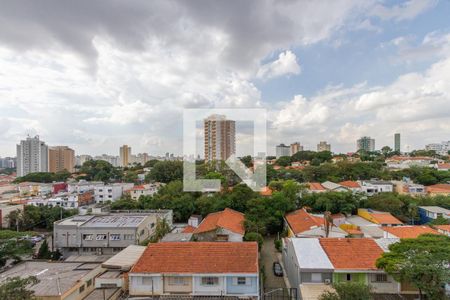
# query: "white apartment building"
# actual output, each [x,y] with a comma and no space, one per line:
[441,149]
[372,187]
[82,186]
[110,192]
[32,156]
[113,160]
[143,190]
[282,150]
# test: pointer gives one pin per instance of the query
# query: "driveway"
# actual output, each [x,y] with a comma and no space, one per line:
[268,257]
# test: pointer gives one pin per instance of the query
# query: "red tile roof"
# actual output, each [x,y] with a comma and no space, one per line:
[188,229]
[198,257]
[439,188]
[405,232]
[228,219]
[386,218]
[443,227]
[316,186]
[266,191]
[350,184]
[300,221]
[351,253]
[444,166]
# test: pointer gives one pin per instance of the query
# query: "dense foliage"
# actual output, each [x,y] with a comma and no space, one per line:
[16,288]
[38,217]
[44,177]
[423,262]
[348,291]
[100,170]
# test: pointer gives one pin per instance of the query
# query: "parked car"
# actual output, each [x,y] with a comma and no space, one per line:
[277,269]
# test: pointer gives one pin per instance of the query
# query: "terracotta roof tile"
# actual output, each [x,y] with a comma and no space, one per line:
[228,219]
[351,253]
[188,229]
[266,191]
[439,188]
[386,218]
[198,257]
[404,232]
[443,227]
[300,221]
[316,186]
[350,184]
[444,166]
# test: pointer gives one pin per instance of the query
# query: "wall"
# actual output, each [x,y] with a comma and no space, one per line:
[388,287]
[169,287]
[250,288]
[137,288]
[198,288]
[356,277]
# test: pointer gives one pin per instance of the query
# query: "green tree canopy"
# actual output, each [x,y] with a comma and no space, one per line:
[166,171]
[16,288]
[348,291]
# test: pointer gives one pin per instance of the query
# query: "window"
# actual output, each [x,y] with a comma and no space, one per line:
[210,281]
[89,282]
[241,281]
[81,289]
[178,281]
[380,278]
[88,237]
[147,280]
[114,237]
[101,237]
[316,277]
[128,237]
[349,277]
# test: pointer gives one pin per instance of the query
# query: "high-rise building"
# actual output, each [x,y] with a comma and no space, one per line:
[61,158]
[220,137]
[323,146]
[282,150]
[441,149]
[397,142]
[125,155]
[365,143]
[81,159]
[296,147]
[32,156]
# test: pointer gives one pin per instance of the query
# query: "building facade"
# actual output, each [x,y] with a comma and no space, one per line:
[61,158]
[397,145]
[105,234]
[323,146]
[32,156]
[296,147]
[282,150]
[365,143]
[220,137]
[124,155]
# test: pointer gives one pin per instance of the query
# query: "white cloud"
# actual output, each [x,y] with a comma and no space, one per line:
[405,11]
[285,64]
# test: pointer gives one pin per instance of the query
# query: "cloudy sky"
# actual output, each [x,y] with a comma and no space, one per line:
[97,74]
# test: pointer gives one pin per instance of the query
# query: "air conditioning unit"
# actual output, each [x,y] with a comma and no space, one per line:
[327,281]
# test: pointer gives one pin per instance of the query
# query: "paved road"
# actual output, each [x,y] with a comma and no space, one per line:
[268,256]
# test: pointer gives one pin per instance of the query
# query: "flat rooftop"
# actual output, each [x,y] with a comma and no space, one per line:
[55,278]
[436,209]
[310,254]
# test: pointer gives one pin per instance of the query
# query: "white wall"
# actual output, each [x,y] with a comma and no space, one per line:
[137,287]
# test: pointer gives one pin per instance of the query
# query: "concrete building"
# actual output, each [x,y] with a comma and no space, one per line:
[61,158]
[441,149]
[5,210]
[8,162]
[221,226]
[143,190]
[196,269]
[110,192]
[397,145]
[81,159]
[282,150]
[220,137]
[124,156]
[372,187]
[296,147]
[429,213]
[106,234]
[32,156]
[365,143]
[112,159]
[323,146]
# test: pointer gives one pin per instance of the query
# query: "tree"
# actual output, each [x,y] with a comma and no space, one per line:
[284,161]
[44,252]
[16,288]
[422,262]
[166,171]
[440,221]
[256,237]
[247,161]
[161,229]
[348,291]
[14,249]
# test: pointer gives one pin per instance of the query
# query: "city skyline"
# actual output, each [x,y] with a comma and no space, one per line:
[126,80]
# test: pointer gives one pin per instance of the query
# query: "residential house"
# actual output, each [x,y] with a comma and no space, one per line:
[438,190]
[110,192]
[315,187]
[321,261]
[443,167]
[197,269]
[65,200]
[5,210]
[57,280]
[82,186]
[222,226]
[372,187]
[378,217]
[444,229]
[430,213]
[406,186]
[353,186]
[407,232]
[406,162]
[300,223]
[105,234]
[143,190]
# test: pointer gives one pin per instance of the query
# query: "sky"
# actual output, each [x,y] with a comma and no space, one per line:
[94,75]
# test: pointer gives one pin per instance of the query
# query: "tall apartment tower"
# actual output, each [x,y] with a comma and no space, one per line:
[365,143]
[296,147]
[282,150]
[220,137]
[32,156]
[323,146]
[397,142]
[61,158]
[124,156]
